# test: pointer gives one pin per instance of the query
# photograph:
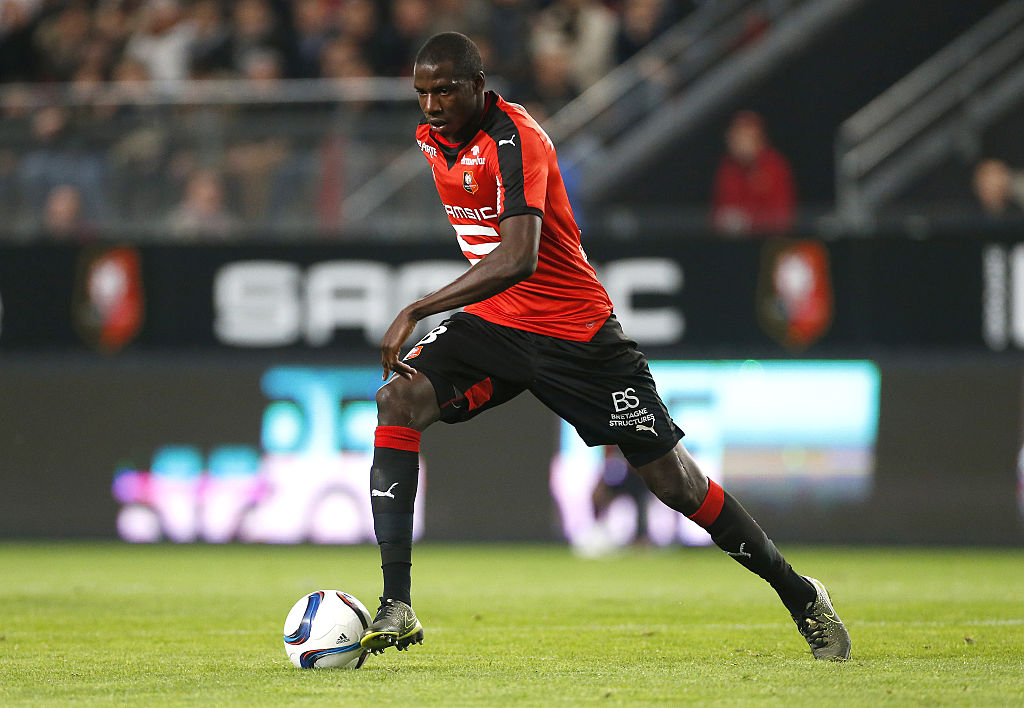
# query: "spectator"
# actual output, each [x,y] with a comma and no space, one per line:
[401,38]
[19,60]
[139,143]
[63,219]
[15,134]
[56,157]
[60,39]
[112,26]
[315,24]
[642,21]
[470,17]
[359,24]
[342,58]
[162,41]
[552,85]
[510,52]
[994,189]
[753,191]
[586,30]
[254,26]
[202,211]
[209,50]
[260,138]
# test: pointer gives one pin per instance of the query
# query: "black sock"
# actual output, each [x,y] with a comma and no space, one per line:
[735,532]
[393,481]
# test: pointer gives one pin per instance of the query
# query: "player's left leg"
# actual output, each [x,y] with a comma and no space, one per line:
[604,388]
[678,482]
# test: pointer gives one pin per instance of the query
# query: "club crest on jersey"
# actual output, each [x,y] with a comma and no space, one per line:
[468,183]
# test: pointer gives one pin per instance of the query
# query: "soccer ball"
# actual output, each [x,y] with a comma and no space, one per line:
[323,629]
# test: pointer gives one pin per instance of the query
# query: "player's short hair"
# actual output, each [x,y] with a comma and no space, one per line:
[455,47]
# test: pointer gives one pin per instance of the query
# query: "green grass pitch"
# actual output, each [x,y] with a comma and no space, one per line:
[109,624]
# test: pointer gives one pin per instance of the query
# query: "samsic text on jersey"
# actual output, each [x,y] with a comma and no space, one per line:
[507,168]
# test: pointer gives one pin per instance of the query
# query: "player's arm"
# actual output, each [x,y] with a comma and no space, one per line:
[514,259]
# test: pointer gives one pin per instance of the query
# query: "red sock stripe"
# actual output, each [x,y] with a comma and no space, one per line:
[712,506]
[397,438]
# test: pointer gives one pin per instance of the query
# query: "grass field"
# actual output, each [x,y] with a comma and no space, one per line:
[106,624]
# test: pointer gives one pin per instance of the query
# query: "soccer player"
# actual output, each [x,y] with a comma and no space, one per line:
[535,318]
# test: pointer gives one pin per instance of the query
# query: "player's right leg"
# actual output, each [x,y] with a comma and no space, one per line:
[456,379]
[405,407]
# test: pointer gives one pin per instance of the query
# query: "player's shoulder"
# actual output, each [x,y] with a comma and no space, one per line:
[505,118]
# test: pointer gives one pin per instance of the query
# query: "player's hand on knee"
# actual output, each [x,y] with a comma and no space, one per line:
[391,346]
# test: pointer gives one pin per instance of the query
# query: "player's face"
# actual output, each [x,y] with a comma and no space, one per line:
[451,106]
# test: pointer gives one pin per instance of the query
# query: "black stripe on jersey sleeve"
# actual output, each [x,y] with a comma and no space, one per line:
[501,128]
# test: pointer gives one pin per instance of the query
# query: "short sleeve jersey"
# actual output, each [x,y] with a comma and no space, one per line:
[509,167]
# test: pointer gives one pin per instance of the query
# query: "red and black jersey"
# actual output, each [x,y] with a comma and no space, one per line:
[509,167]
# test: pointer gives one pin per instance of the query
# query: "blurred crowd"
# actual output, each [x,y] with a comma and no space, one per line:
[92,40]
[71,170]
[86,150]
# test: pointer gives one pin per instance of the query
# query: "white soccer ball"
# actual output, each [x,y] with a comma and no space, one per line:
[323,629]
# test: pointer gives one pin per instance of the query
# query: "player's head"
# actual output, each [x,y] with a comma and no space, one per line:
[449,80]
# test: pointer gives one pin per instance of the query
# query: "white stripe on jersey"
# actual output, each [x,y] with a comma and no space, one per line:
[474,230]
[477,249]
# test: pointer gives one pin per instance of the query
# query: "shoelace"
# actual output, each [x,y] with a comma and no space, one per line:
[388,610]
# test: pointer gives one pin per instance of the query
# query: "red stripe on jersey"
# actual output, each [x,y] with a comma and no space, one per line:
[397,438]
[478,394]
[712,506]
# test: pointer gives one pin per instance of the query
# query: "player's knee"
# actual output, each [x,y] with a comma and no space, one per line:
[403,402]
[676,480]
[393,405]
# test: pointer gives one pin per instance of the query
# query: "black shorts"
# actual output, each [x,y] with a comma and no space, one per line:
[603,387]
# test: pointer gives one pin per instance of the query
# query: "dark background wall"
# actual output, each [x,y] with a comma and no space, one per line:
[949,434]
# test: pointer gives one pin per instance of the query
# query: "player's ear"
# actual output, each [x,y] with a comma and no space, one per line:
[479,81]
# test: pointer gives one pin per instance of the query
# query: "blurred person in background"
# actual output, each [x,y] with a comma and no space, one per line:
[59,41]
[112,25]
[260,137]
[63,219]
[753,191]
[642,21]
[471,17]
[586,29]
[209,51]
[202,211]
[998,190]
[58,154]
[408,25]
[316,23]
[552,86]
[255,26]
[162,41]
[19,19]
[139,143]
[509,32]
[15,134]
[359,23]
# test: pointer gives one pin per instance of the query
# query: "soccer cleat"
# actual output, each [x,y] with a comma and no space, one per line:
[822,628]
[394,626]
